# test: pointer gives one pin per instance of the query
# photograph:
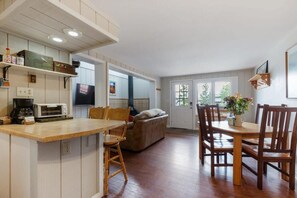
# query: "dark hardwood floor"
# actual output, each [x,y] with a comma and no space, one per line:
[171,168]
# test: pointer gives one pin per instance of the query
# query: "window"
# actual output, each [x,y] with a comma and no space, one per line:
[181,95]
[213,91]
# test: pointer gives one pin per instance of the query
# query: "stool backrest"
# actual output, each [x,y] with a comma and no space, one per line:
[98,112]
[121,114]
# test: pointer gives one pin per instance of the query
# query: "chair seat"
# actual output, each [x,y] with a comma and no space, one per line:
[219,136]
[252,150]
[255,141]
[220,145]
[110,140]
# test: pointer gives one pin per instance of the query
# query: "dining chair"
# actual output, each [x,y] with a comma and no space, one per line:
[278,150]
[270,118]
[215,116]
[216,147]
[112,145]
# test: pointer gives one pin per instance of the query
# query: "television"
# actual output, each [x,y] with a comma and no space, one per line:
[84,95]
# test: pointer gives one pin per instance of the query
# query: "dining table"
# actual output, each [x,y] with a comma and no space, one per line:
[248,130]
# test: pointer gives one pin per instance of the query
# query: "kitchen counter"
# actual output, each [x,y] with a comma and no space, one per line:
[53,159]
[60,130]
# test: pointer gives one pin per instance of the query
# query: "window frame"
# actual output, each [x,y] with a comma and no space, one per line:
[212,81]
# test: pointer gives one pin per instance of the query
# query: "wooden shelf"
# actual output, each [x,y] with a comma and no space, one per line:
[34,70]
[4,87]
[260,81]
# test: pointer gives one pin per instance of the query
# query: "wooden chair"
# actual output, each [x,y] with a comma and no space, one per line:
[216,147]
[98,112]
[112,144]
[260,109]
[278,149]
[270,118]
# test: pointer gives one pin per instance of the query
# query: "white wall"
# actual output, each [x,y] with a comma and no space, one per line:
[244,87]
[47,89]
[141,88]
[121,86]
[276,93]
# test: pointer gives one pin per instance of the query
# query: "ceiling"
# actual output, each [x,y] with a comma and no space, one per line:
[173,37]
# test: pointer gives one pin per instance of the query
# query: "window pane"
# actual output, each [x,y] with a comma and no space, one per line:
[181,95]
[222,90]
[204,93]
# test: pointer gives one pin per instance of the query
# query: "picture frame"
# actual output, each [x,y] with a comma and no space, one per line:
[112,87]
[263,69]
[291,72]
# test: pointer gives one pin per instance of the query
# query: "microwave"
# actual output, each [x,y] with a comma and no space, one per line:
[49,110]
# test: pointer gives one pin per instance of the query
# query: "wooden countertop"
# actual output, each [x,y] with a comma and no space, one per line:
[60,130]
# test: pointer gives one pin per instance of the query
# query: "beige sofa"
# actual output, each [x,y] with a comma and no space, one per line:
[144,132]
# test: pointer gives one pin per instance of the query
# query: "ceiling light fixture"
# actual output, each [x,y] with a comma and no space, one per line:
[72,32]
[56,39]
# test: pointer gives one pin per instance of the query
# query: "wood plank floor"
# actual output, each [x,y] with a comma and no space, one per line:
[171,168]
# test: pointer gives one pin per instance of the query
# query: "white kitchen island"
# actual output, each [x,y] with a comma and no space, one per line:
[62,159]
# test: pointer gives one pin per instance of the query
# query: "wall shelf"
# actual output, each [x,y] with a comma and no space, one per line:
[260,81]
[33,70]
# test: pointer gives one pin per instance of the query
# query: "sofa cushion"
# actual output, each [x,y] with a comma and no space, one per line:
[140,116]
[153,112]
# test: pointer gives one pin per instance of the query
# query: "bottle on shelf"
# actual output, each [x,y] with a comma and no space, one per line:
[7,56]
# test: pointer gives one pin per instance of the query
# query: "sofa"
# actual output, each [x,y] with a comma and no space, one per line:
[144,131]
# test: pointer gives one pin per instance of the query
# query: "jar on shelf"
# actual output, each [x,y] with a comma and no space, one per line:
[7,56]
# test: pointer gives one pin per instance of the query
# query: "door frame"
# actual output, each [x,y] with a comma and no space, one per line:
[171,99]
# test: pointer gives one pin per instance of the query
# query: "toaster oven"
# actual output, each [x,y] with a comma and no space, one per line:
[50,110]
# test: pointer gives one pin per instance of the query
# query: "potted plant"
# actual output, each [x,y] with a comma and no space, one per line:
[237,106]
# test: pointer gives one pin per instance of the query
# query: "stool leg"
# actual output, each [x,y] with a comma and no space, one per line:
[106,169]
[122,161]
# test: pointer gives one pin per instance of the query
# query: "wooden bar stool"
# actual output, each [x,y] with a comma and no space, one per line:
[98,112]
[112,145]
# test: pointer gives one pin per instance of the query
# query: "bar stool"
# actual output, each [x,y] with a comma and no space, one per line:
[112,145]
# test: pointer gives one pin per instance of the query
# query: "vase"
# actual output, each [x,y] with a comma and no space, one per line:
[238,120]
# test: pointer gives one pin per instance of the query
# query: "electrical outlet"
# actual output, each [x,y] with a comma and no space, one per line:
[21,91]
[66,149]
[30,92]
[24,92]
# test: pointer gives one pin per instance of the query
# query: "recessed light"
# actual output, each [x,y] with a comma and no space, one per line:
[72,32]
[56,39]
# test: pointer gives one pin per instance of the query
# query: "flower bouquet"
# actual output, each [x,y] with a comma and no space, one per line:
[237,105]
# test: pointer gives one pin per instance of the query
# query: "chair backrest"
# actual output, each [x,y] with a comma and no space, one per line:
[214,111]
[206,131]
[282,118]
[121,114]
[98,112]
[260,110]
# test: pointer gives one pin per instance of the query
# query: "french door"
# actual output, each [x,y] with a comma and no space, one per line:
[181,111]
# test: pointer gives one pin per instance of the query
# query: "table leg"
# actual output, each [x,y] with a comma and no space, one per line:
[237,155]
[200,146]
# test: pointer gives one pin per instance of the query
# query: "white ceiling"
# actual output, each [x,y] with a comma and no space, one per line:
[174,37]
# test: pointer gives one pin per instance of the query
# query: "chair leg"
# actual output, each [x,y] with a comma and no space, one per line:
[264,168]
[106,169]
[212,164]
[202,155]
[260,175]
[292,175]
[225,158]
[218,158]
[122,162]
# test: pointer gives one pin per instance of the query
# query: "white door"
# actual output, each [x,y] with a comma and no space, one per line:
[181,113]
